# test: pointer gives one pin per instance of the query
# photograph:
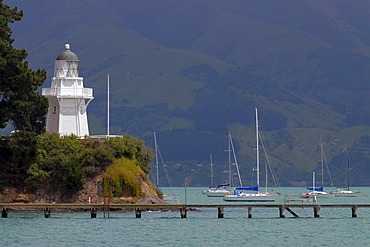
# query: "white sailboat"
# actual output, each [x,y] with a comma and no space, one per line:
[252,194]
[218,190]
[319,192]
[316,192]
[339,192]
[345,192]
[221,190]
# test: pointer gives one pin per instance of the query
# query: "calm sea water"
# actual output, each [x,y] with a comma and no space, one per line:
[335,227]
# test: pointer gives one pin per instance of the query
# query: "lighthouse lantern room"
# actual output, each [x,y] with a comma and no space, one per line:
[67,97]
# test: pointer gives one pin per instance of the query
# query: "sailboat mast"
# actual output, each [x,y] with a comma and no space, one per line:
[229,150]
[236,161]
[322,163]
[348,160]
[156,157]
[108,105]
[257,152]
[266,178]
[212,175]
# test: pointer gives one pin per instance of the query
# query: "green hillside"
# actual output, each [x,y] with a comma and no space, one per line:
[194,70]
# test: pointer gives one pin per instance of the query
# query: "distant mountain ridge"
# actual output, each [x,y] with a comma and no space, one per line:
[192,70]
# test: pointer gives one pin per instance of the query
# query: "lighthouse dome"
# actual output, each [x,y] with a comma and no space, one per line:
[67,54]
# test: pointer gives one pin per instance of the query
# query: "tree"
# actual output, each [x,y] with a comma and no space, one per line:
[20,103]
[133,149]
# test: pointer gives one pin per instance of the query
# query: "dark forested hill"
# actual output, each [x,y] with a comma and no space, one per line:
[194,70]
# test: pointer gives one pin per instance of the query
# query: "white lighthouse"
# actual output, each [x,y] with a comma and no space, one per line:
[68,99]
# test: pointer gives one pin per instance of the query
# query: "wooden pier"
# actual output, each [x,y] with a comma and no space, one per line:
[47,208]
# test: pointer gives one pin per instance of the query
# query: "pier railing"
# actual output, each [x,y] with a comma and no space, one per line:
[86,93]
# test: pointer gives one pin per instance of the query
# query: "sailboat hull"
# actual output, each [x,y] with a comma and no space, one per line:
[251,197]
[317,194]
[216,193]
[169,197]
[344,193]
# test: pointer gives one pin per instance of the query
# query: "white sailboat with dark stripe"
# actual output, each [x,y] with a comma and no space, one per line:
[220,190]
[345,192]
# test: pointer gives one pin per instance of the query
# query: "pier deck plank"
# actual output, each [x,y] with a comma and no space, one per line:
[26,206]
[183,208]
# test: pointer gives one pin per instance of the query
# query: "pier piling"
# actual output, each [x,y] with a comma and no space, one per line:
[106,210]
[220,212]
[249,212]
[4,213]
[354,211]
[138,213]
[282,212]
[316,212]
[47,212]
[183,213]
[93,213]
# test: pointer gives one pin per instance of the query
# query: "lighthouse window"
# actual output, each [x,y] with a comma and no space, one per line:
[54,110]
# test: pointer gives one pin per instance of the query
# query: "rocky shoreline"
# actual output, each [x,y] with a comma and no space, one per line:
[90,193]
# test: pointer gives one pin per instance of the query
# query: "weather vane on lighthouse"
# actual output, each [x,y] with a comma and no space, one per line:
[67,97]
